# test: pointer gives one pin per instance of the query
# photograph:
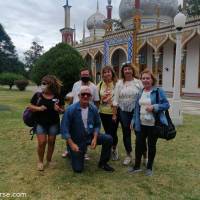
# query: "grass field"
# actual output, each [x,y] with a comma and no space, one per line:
[176,169]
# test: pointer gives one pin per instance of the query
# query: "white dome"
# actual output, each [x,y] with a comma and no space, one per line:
[97,20]
[168,9]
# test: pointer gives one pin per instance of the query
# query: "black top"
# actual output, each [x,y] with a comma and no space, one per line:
[49,116]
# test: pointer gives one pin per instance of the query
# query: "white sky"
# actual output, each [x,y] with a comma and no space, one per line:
[41,20]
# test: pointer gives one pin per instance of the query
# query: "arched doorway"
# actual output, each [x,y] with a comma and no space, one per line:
[88,60]
[99,62]
[118,57]
[143,58]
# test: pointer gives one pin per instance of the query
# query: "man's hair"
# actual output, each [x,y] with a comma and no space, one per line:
[85,88]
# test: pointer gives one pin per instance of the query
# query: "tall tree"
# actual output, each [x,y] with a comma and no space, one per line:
[192,7]
[33,54]
[62,61]
[9,61]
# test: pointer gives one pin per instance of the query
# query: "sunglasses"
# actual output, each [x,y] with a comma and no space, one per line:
[44,83]
[126,63]
[85,94]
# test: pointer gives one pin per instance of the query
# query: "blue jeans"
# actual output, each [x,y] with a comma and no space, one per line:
[48,129]
[77,158]
[125,120]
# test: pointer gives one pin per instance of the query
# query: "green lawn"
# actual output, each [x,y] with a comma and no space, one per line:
[176,169]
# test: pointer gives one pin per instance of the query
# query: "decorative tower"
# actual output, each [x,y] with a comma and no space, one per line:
[137,26]
[158,16]
[83,40]
[67,32]
[109,21]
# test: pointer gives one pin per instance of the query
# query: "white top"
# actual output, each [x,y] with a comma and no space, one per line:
[76,89]
[84,113]
[125,94]
[146,117]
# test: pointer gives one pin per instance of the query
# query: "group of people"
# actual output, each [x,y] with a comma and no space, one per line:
[130,101]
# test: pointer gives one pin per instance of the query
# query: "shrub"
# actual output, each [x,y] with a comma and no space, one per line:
[9,79]
[21,84]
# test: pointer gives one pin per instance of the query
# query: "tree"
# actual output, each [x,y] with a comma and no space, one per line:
[33,54]
[9,79]
[62,61]
[192,7]
[9,61]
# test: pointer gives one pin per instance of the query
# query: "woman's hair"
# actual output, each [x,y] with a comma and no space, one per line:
[54,84]
[114,77]
[127,64]
[148,71]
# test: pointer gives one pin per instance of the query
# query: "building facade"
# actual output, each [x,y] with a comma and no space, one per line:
[155,39]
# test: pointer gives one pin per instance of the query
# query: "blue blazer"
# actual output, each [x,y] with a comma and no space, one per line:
[159,107]
[72,124]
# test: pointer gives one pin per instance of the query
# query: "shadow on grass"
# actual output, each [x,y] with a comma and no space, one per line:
[4,108]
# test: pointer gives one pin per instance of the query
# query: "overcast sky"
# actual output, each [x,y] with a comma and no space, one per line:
[41,20]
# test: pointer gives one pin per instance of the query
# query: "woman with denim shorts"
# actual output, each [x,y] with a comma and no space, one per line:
[47,105]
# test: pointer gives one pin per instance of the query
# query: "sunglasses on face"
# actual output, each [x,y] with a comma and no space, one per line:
[126,63]
[85,94]
[44,83]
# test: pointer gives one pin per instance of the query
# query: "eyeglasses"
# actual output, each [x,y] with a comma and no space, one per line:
[126,63]
[85,94]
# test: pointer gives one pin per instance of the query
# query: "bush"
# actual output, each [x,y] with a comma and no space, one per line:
[63,61]
[9,79]
[21,84]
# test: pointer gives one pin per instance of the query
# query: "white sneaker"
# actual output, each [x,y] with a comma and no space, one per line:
[127,160]
[149,172]
[114,154]
[86,157]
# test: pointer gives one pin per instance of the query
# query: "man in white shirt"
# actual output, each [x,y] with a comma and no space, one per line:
[74,95]
[85,80]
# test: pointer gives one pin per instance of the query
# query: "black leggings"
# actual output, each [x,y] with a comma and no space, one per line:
[147,132]
[110,127]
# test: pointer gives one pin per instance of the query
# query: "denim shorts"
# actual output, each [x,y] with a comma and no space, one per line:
[47,129]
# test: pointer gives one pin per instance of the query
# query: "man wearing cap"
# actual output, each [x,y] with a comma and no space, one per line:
[80,127]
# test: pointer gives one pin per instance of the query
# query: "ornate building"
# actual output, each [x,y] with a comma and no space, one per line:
[146,36]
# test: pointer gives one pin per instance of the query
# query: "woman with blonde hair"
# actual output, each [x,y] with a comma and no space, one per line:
[125,94]
[47,105]
[106,91]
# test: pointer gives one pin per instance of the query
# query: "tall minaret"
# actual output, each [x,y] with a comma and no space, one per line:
[67,32]
[109,10]
[83,40]
[109,21]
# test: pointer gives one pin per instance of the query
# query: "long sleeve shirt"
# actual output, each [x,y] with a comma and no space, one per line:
[125,94]
[72,125]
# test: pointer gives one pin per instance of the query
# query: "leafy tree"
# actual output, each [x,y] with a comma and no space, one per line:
[9,78]
[192,7]
[33,54]
[62,61]
[9,61]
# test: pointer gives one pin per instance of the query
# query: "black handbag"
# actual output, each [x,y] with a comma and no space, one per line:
[163,131]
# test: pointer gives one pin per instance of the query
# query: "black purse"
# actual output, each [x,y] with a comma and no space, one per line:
[163,131]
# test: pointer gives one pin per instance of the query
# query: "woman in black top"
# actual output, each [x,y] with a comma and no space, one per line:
[47,105]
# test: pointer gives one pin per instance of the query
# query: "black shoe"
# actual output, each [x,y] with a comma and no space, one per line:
[106,167]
